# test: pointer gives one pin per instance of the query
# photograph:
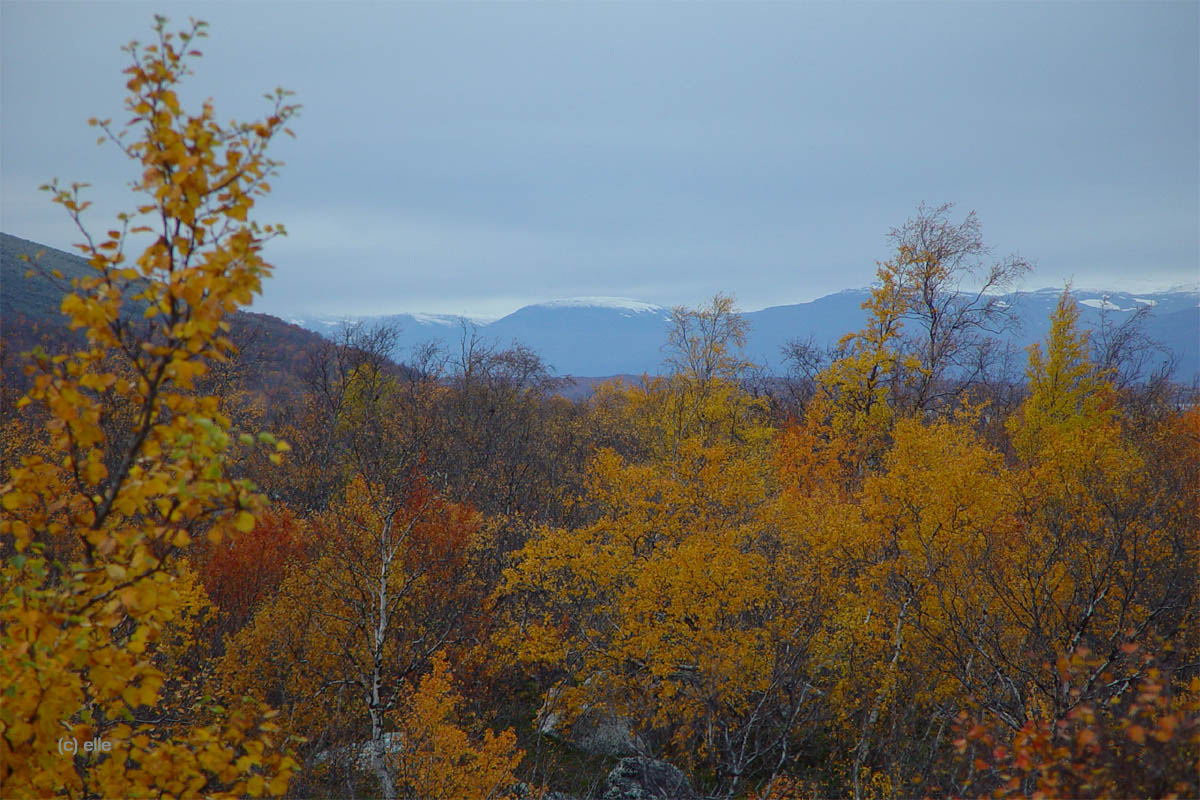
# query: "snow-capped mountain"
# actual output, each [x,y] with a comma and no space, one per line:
[1173,319]
[589,336]
[328,325]
[596,336]
[577,335]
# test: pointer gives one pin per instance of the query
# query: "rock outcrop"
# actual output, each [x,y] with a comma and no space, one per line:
[593,731]
[645,779]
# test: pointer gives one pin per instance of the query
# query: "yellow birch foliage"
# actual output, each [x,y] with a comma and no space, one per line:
[1065,393]
[679,610]
[81,638]
[672,611]
[1106,556]
[702,399]
[924,523]
[347,635]
[846,427]
[897,563]
[437,759]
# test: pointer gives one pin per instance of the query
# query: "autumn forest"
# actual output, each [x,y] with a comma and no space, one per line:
[890,574]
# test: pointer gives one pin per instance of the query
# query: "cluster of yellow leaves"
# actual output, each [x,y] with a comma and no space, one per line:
[701,400]
[959,574]
[135,464]
[437,760]
[1065,396]
[901,559]
[852,413]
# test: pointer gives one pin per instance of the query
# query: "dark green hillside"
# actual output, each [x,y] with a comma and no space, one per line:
[273,352]
[37,297]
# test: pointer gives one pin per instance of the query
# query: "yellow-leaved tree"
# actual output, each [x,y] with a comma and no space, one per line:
[95,585]
[398,575]
[437,759]
[676,619]
[845,429]
[1097,598]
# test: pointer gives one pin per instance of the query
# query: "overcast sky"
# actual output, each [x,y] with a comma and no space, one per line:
[472,158]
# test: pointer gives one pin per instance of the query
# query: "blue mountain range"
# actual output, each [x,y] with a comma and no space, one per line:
[601,336]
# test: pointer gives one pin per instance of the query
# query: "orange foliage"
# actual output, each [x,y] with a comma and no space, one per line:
[441,533]
[245,569]
[1143,740]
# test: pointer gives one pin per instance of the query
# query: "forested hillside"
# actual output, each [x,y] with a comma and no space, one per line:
[320,573]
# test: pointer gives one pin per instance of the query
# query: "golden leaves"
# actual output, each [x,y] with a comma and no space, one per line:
[437,759]
[244,521]
[675,596]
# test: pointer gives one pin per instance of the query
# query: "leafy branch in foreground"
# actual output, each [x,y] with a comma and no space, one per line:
[135,465]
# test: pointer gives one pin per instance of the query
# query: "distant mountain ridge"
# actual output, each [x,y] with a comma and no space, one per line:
[589,336]
[602,336]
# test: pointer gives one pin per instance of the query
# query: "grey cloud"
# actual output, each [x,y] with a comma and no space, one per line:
[455,157]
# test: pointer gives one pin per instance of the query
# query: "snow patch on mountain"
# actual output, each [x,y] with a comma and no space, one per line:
[1103,305]
[618,303]
[435,319]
